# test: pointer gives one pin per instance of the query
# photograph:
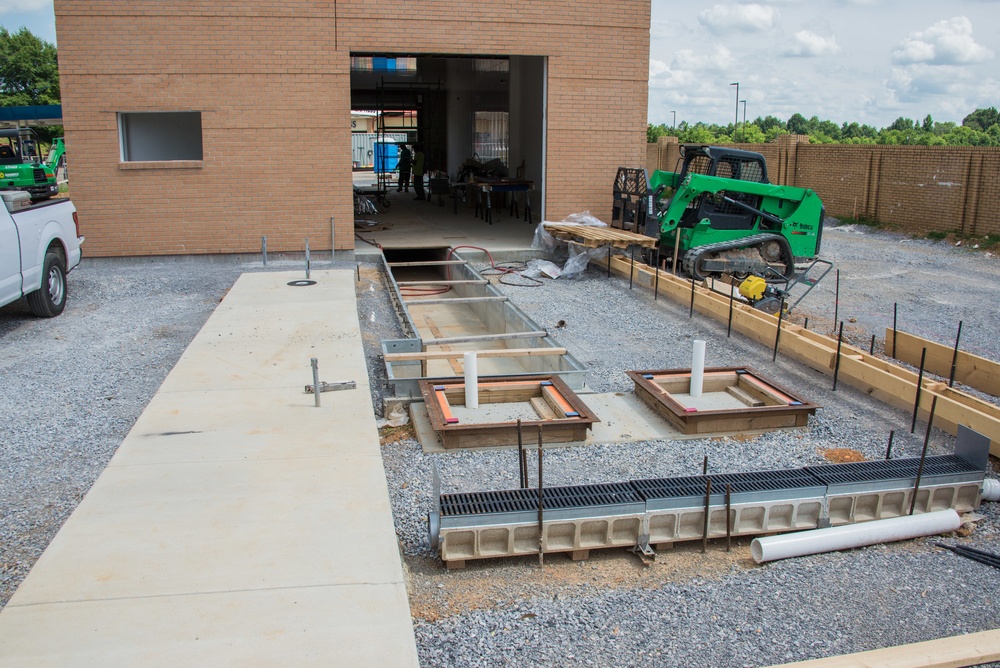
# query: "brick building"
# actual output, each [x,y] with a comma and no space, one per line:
[197,127]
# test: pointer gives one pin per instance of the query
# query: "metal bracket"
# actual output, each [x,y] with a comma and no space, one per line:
[642,548]
[333,387]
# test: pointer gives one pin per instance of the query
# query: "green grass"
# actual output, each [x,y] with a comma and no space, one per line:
[937,234]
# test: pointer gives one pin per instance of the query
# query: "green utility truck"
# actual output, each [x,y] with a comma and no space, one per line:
[21,165]
[721,215]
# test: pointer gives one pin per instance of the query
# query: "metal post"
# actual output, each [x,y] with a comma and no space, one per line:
[729,327]
[315,367]
[836,300]
[263,249]
[895,314]
[359,273]
[871,348]
[920,385]
[541,554]
[806,325]
[609,261]
[631,267]
[307,259]
[923,455]
[836,364]
[777,334]
[729,521]
[708,501]
[522,462]
[954,356]
[656,278]
[691,310]
[704,466]
[888,449]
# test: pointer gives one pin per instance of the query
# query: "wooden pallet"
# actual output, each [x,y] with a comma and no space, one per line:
[595,237]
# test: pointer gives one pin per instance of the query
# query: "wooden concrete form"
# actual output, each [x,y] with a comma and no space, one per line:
[595,237]
[971,649]
[766,405]
[976,372]
[459,354]
[566,419]
[883,380]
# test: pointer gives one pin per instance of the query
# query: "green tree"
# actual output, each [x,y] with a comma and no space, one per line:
[928,124]
[981,119]
[797,124]
[29,70]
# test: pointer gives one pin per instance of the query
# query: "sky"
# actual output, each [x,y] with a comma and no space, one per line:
[869,61]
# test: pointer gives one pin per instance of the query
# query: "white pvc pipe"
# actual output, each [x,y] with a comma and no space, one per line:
[845,537]
[991,490]
[471,381]
[697,369]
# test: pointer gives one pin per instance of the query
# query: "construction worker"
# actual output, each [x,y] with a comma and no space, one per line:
[405,159]
[418,172]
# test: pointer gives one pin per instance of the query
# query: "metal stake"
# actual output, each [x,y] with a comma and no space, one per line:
[729,327]
[359,273]
[895,315]
[806,325]
[777,334]
[836,300]
[729,522]
[923,455]
[307,259]
[836,364]
[920,385]
[609,261]
[954,356]
[691,311]
[631,267]
[704,466]
[708,500]
[871,348]
[541,554]
[522,461]
[656,278]
[888,449]
[263,249]
[315,367]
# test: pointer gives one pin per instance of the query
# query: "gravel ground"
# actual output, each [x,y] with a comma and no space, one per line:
[73,386]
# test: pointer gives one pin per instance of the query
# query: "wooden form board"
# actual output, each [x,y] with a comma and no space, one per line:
[780,408]
[595,237]
[550,390]
[971,370]
[883,380]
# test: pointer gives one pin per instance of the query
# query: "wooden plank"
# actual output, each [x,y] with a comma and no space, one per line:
[743,397]
[459,354]
[542,408]
[977,372]
[476,338]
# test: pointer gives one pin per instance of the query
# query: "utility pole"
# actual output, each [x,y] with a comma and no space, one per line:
[744,103]
[674,124]
[736,123]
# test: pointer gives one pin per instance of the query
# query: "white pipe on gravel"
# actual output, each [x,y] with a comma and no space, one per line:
[845,537]
[991,490]
[471,381]
[697,369]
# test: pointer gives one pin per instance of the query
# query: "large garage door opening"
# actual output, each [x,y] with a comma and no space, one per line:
[471,117]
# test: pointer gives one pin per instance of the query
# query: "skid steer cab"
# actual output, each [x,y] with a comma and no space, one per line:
[719,214]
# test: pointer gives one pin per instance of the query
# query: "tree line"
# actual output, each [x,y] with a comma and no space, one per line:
[980,128]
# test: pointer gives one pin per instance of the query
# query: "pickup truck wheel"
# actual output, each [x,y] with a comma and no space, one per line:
[50,300]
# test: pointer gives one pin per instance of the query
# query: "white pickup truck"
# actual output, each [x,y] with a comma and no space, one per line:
[39,245]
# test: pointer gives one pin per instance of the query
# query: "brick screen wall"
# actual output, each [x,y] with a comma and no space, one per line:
[920,188]
[272,82]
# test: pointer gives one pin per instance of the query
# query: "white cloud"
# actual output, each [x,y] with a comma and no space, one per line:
[11,6]
[947,42]
[721,19]
[808,44]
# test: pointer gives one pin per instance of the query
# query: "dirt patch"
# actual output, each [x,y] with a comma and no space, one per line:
[841,455]
[390,435]
[436,592]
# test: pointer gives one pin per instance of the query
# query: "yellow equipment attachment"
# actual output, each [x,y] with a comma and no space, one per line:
[753,288]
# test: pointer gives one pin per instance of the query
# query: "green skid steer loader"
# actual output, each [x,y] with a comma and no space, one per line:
[21,166]
[721,215]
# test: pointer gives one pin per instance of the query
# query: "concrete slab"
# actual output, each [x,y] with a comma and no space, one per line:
[237,524]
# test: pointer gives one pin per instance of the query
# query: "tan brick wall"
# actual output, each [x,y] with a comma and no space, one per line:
[272,82]
[945,188]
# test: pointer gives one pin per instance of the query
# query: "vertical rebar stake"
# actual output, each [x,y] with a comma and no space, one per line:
[895,316]
[522,462]
[871,348]
[691,310]
[708,501]
[656,278]
[836,300]
[631,267]
[806,324]
[609,261]
[541,553]
[307,258]
[359,273]
[836,363]
[263,249]
[704,466]
[920,385]
[954,356]
[923,455]
[888,448]
[729,327]
[315,366]
[729,521]
[777,334]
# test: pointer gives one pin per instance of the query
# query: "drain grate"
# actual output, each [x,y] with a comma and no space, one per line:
[522,500]
[740,483]
[890,469]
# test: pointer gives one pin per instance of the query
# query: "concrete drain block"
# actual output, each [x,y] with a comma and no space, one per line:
[538,401]
[733,399]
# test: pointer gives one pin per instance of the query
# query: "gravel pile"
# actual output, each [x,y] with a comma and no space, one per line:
[74,385]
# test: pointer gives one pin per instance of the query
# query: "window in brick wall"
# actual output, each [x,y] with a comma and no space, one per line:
[492,135]
[160,136]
